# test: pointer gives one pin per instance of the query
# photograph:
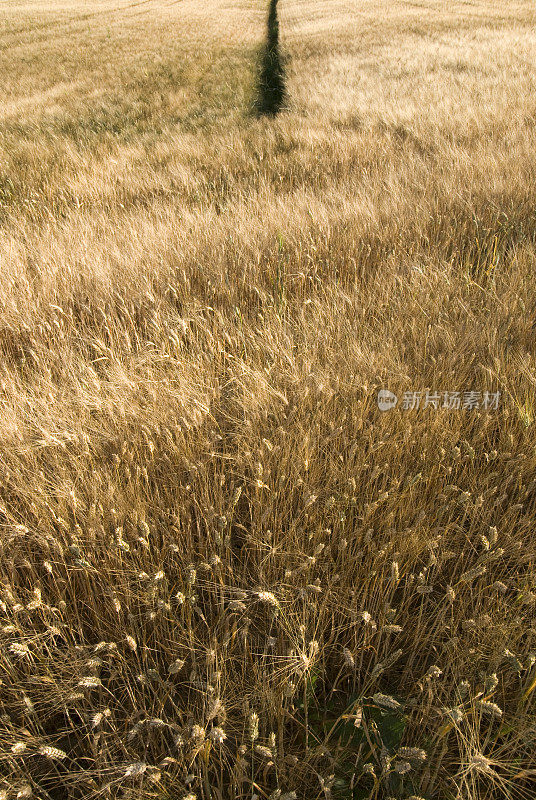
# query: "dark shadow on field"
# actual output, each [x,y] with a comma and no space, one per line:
[271,92]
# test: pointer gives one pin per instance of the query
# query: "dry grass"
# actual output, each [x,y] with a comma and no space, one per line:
[205,517]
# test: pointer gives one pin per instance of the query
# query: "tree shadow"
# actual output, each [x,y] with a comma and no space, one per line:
[271,91]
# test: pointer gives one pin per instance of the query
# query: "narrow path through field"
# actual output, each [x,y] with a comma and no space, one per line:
[271,88]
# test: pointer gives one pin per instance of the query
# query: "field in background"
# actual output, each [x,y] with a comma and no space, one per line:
[224,572]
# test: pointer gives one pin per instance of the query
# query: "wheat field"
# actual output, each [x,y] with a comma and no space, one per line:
[225,572]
